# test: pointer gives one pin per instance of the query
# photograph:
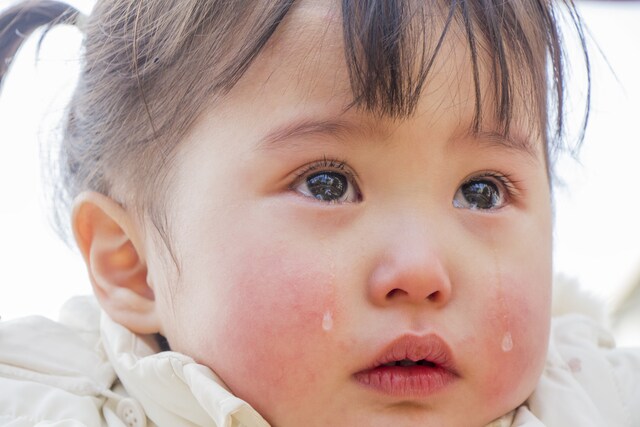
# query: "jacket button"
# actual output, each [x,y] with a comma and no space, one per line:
[131,413]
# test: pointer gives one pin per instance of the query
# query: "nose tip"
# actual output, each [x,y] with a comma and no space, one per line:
[412,279]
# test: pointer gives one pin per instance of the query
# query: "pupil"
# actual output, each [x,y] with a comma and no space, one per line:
[482,195]
[327,186]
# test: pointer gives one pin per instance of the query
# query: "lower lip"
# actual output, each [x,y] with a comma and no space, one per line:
[406,382]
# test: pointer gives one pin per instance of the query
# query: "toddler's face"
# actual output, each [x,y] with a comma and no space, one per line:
[319,247]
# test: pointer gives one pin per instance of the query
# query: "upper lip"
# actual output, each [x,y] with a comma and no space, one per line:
[430,348]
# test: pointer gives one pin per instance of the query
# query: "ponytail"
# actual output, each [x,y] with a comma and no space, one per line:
[22,19]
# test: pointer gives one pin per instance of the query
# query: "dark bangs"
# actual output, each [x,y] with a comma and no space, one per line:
[391,47]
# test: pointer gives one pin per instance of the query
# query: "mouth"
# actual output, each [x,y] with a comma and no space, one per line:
[408,362]
[410,367]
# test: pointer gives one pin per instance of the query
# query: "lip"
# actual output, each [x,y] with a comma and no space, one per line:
[435,372]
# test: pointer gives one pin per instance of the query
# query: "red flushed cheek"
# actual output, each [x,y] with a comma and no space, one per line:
[515,343]
[278,325]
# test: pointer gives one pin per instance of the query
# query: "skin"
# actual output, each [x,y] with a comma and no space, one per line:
[262,263]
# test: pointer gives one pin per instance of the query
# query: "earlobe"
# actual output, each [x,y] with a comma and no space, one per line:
[109,242]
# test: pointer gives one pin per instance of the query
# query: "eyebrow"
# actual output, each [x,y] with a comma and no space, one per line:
[511,142]
[282,136]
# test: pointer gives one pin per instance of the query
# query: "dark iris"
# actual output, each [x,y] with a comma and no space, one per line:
[327,186]
[481,194]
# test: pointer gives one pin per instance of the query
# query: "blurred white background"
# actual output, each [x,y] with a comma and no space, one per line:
[597,236]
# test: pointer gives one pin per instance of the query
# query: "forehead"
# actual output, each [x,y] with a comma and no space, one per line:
[304,54]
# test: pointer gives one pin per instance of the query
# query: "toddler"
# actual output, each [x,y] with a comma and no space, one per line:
[312,213]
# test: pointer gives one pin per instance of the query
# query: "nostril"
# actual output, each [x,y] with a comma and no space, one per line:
[435,296]
[395,293]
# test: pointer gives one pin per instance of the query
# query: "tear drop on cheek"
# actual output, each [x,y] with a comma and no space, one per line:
[327,321]
[507,342]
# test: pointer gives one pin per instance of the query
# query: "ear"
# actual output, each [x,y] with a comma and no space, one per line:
[109,242]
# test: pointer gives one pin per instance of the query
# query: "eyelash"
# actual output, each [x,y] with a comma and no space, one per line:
[325,163]
[505,180]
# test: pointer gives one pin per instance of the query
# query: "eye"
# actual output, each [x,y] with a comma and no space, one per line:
[485,192]
[327,181]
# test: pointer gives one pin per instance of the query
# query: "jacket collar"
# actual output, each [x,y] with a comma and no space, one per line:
[64,355]
[172,388]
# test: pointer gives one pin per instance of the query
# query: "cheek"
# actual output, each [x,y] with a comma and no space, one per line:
[516,339]
[279,315]
[516,314]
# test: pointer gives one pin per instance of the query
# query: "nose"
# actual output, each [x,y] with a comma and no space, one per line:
[410,272]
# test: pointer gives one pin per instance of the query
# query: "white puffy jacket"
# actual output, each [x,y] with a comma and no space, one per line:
[87,370]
